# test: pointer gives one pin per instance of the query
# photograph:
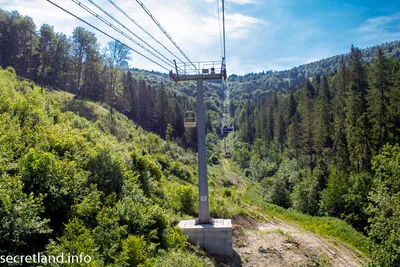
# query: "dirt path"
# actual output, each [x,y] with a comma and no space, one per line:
[277,243]
[233,177]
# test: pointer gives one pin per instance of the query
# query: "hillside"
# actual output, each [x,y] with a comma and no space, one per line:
[97,184]
[256,84]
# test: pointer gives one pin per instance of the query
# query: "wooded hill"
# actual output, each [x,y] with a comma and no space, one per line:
[77,65]
[253,85]
[331,147]
[94,183]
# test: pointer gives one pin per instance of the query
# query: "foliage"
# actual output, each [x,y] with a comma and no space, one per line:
[306,195]
[69,185]
[21,224]
[333,202]
[383,210]
[330,126]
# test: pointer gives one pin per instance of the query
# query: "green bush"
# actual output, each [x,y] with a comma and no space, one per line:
[186,199]
[384,208]
[181,171]
[76,239]
[108,234]
[305,196]
[11,70]
[134,252]
[175,258]
[333,202]
[60,181]
[20,217]
[149,173]
[106,171]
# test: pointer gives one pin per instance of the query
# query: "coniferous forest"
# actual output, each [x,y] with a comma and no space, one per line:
[330,146]
[94,156]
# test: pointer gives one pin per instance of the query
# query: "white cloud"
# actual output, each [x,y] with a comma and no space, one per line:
[237,2]
[192,24]
[382,28]
[378,23]
[242,2]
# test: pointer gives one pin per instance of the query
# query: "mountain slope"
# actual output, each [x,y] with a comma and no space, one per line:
[97,184]
[253,85]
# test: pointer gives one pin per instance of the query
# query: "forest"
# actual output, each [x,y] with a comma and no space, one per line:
[77,64]
[94,156]
[331,147]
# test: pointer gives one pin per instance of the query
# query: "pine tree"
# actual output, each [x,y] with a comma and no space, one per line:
[323,117]
[294,135]
[60,63]
[291,107]
[378,98]
[394,107]
[279,125]
[83,41]
[131,88]
[339,115]
[47,49]
[163,110]
[306,109]
[356,116]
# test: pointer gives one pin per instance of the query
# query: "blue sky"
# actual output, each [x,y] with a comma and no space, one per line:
[261,35]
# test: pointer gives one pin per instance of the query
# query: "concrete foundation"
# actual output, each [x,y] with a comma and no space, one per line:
[215,238]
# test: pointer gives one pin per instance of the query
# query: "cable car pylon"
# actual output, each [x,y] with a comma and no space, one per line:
[210,70]
[207,70]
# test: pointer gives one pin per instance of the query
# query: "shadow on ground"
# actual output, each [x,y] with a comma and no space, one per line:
[223,261]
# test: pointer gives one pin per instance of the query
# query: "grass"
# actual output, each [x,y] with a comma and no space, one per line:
[323,226]
[253,193]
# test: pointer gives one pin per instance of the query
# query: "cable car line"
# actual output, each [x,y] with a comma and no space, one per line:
[118,30]
[113,18]
[164,31]
[108,35]
[143,29]
[223,23]
[220,31]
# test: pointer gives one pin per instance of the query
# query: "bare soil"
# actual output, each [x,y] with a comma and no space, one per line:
[277,243]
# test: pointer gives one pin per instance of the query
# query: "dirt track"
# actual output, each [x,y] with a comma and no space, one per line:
[281,244]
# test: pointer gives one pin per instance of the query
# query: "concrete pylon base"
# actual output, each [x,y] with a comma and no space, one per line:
[215,238]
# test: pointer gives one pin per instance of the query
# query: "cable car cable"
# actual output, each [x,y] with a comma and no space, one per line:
[115,39]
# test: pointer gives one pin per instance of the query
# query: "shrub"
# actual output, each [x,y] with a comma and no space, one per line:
[332,201]
[305,196]
[106,171]
[11,70]
[20,222]
[149,173]
[180,171]
[174,258]
[384,208]
[108,234]
[134,251]
[75,240]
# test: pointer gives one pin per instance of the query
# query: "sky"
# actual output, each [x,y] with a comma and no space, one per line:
[261,35]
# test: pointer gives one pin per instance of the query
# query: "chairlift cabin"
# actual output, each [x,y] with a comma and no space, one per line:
[226,130]
[190,119]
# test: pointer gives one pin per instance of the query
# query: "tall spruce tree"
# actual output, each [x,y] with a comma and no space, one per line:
[339,116]
[394,107]
[306,109]
[356,117]
[47,49]
[378,98]
[323,117]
